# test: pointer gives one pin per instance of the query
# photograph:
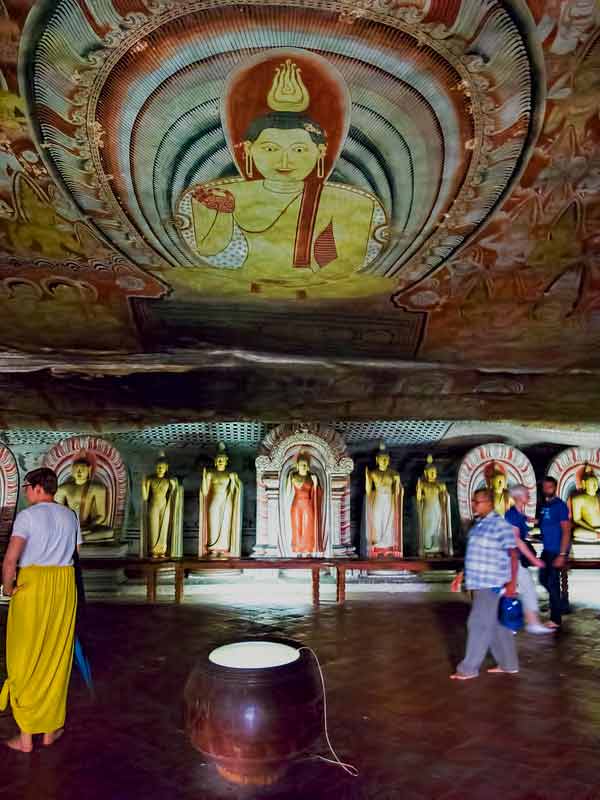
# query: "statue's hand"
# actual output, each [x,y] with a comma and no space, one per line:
[216,199]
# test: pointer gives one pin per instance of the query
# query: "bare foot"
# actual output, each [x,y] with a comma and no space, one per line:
[553,626]
[20,743]
[505,671]
[50,738]
[457,676]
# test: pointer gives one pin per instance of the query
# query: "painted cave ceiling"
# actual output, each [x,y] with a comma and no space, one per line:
[294,209]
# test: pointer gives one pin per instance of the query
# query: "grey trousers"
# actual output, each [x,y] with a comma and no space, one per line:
[485,633]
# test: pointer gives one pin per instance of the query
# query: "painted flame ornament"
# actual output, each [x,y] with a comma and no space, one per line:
[288,92]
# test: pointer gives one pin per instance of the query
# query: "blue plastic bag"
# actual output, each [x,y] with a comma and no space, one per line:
[510,613]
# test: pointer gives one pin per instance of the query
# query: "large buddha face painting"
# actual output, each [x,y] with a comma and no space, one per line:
[282,228]
[299,153]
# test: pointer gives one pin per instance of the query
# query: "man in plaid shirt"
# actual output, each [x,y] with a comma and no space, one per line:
[491,562]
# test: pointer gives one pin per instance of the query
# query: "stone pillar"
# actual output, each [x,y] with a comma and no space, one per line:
[267,516]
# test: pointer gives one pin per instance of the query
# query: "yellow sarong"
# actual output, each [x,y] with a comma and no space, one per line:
[39,648]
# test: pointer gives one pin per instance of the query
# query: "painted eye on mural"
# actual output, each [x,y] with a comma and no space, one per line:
[269,147]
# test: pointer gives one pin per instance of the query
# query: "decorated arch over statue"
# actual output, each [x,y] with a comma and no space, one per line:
[93,481]
[303,493]
[577,473]
[496,466]
[9,493]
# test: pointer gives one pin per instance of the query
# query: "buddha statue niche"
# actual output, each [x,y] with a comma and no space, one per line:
[89,500]
[220,509]
[433,512]
[586,508]
[383,508]
[161,521]
[497,481]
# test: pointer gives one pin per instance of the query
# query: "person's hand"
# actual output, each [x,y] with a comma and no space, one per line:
[510,589]
[559,562]
[539,563]
[15,589]
[219,200]
[456,583]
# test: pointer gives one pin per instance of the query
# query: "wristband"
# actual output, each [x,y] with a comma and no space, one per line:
[563,554]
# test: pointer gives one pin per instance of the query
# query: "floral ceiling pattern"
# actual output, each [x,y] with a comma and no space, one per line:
[378,182]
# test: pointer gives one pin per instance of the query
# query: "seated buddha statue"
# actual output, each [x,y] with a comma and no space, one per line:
[89,500]
[498,483]
[586,509]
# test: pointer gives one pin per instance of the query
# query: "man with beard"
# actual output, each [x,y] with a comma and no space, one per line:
[555,526]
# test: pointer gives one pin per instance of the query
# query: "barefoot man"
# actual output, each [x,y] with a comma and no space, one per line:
[490,563]
[41,617]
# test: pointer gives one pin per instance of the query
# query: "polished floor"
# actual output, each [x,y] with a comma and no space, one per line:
[393,712]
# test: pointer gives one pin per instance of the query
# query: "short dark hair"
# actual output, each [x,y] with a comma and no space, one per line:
[82,460]
[550,479]
[286,120]
[485,492]
[44,477]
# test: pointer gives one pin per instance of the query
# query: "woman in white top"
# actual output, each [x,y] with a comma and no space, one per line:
[38,574]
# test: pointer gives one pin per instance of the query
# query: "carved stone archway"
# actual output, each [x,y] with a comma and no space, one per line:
[472,475]
[330,461]
[107,467]
[9,493]
[567,468]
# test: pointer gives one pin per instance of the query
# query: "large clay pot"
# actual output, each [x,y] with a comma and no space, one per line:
[254,706]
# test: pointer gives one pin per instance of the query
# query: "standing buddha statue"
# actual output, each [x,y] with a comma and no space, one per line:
[220,509]
[384,496]
[433,512]
[161,518]
[305,510]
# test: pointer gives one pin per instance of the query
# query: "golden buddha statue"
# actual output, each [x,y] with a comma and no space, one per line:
[433,512]
[497,481]
[305,511]
[161,522]
[89,500]
[383,507]
[586,508]
[220,509]
[282,229]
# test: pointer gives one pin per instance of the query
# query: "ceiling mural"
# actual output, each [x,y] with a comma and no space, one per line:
[387,180]
[214,144]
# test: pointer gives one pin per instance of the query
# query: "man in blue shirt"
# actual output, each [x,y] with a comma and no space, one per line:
[555,526]
[490,564]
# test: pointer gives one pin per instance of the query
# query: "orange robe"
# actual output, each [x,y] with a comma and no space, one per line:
[305,518]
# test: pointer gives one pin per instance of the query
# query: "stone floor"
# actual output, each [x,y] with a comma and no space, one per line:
[413,734]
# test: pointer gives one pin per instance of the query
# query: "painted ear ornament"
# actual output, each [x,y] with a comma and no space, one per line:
[248,163]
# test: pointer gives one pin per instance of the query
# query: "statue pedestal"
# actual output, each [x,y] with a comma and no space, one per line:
[103,580]
[585,550]
[266,551]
